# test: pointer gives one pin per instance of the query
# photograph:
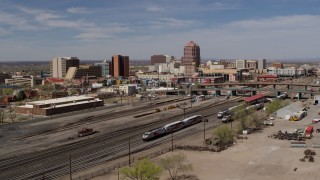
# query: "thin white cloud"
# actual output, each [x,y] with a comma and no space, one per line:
[16,22]
[79,10]
[155,9]
[77,24]
[105,32]
[164,23]
[279,22]
[46,16]
[4,32]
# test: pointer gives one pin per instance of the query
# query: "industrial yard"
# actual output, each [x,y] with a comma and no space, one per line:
[258,157]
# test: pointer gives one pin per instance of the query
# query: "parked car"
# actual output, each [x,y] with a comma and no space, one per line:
[226,119]
[314,121]
[246,131]
[268,123]
[221,114]
[318,130]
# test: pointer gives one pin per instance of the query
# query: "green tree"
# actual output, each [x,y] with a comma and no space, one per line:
[46,87]
[239,112]
[144,169]
[273,106]
[246,122]
[2,117]
[7,91]
[174,164]
[224,134]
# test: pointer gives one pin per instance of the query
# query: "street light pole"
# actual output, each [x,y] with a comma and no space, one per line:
[70,167]
[204,127]
[129,151]
[172,141]
[191,95]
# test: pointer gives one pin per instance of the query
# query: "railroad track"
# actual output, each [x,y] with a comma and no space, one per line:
[94,148]
[102,117]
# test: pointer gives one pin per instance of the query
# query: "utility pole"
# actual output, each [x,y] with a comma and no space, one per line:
[118,175]
[129,151]
[32,113]
[204,127]
[128,99]
[172,142]
[70,167]
[191,95]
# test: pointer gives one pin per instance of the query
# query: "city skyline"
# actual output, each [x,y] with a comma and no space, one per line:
[230,29]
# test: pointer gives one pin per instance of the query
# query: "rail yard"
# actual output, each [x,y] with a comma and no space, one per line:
[115,129]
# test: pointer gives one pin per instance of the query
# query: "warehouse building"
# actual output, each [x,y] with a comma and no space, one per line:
[294,109]
[59,105]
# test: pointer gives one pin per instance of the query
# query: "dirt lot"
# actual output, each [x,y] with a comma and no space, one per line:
[258,157]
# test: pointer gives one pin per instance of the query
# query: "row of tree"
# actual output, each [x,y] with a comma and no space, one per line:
[247,118]
[145,169]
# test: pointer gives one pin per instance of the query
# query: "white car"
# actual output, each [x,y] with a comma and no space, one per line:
[271,118]
[314,121]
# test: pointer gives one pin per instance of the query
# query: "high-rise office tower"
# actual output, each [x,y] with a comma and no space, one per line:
[191,58]
[120,66]
[60,65]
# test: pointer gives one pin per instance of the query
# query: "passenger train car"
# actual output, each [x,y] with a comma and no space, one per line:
[172,127]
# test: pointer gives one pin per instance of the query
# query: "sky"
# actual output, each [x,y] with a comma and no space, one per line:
[38,30]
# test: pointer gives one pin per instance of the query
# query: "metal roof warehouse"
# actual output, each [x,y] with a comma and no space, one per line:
[59,105]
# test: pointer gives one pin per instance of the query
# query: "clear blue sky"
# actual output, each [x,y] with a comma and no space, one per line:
[97,29]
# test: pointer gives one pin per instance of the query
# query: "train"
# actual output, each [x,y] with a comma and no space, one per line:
[171,128]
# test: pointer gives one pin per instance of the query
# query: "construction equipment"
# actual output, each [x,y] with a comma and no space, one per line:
[293,118]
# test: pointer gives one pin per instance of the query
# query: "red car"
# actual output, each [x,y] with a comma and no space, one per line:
[314,121]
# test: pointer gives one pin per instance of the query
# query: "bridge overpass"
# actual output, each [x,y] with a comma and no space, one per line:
[254,91]
[289,85]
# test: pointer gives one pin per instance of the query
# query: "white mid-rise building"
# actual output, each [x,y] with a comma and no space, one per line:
[128,89]
[59,66]
[241,64]
[283,72]
[262,64]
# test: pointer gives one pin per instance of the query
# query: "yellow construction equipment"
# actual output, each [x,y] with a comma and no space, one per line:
[293,118]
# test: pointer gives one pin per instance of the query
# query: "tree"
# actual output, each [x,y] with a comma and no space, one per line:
[174,164]
[224,134]
[7,91]
[2,117]
[238,113]
[273,107]
[258,118]
[144,169]
[21,95]
[246,122]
